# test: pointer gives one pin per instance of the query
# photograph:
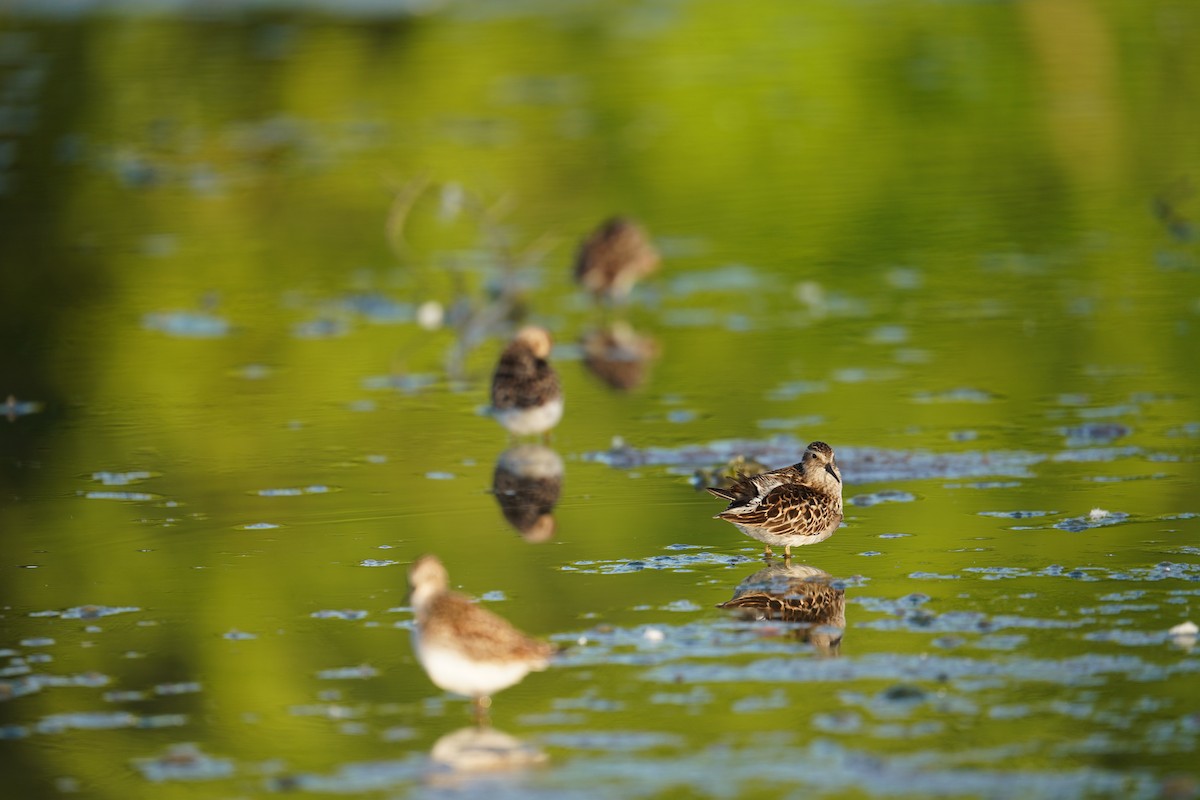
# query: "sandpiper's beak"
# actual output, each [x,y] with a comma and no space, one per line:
[833,471]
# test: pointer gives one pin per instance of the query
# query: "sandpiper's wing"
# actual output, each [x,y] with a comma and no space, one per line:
[522,380]
[786,508]
[480,634]
[748,488]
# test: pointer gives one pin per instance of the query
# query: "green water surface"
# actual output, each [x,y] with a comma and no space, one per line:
[957,239]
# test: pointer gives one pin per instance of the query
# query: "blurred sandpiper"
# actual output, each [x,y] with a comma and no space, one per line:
[526,396]
[466,649]
[614,257]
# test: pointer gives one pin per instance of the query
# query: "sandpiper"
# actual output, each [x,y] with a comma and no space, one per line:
[526,396]
[792,506]
[464,648]
[796,593]
[615,257]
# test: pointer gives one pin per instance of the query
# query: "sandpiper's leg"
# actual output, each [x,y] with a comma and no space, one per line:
[480,705]
[787,551]
[767,551]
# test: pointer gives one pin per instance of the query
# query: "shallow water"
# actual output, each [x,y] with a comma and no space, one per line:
[251,268]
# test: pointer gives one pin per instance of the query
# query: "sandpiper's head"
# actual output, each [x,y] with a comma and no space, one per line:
[820,469]
[536,339]
[426,579]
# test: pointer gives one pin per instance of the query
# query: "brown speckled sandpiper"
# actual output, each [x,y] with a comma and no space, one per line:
[792,506]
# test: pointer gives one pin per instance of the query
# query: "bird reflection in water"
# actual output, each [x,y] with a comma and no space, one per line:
[477,751]
[527,483]
[619,355]
[795,593]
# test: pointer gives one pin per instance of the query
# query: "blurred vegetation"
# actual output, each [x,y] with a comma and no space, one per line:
[981,176]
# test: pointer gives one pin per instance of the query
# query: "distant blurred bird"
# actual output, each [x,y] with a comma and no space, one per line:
[795,593]
[464,648]
[526,396]
[792,506]
[616,256]
[527,482]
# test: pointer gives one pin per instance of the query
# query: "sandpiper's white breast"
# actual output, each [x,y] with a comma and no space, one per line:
[449,669]
[530,421]
[786,539]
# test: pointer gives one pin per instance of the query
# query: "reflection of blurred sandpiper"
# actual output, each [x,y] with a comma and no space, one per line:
[618,356]
[475,750]
[527,483]
[795,593]
[464,648]
[1183,635]
[615,257]
[526,396]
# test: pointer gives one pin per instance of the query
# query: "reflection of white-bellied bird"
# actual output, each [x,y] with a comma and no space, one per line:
[527,483]
[615,257]
[526,396]
[466,649]
[793,506]
[467,752]
[796,593]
